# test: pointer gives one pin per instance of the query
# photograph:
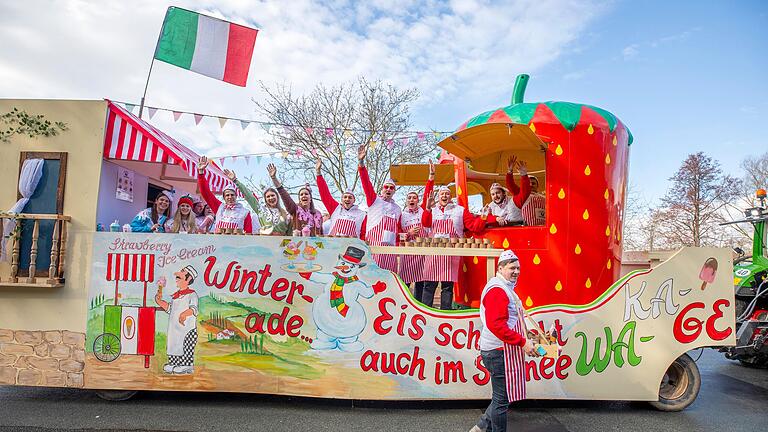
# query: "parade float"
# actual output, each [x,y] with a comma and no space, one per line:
[316,316]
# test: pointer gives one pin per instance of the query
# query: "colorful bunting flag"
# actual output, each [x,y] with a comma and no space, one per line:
[222,121]
[390,143]
[314,152]
[221,161]
[244,124]
[329,132]
[420,136]
[130,107]
[347,133]
[198,118]
[152,112]
[309,130]
[404,141]
[285,154]
[247,159]
[299,152]
[176,116]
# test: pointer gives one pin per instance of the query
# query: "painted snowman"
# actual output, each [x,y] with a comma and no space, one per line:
[337,314]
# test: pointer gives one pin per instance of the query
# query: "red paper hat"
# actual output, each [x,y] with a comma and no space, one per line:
[186,199]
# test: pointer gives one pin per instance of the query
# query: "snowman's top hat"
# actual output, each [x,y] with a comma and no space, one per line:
[354,255]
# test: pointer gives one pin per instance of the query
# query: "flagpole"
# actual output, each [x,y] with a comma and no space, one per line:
[152,63]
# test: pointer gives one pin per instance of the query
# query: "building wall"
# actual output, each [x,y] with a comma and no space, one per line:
[25,308]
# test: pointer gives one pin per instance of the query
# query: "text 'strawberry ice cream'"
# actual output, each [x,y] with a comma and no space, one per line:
[708,272]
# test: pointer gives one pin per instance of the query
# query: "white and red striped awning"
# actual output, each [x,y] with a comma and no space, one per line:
[131,267]
[128,137]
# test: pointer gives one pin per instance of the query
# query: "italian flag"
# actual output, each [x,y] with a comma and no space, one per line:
[208,46]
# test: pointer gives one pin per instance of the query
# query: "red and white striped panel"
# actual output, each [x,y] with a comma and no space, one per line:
[128,137]
[131,267]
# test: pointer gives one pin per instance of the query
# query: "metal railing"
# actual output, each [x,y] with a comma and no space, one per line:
[58,239]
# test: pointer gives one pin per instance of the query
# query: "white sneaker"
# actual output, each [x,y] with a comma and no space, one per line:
[168,368]
[183,370]
[475,428]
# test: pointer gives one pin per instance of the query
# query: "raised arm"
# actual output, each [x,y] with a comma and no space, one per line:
[365,179]
[202,184]
[247,194]
[426,217]
[290,204]
[510,178]
[322,187]
[476,224]
[525,185]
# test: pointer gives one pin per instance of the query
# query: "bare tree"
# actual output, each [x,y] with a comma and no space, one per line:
[331,122]
[636,213]
[693,207]
[755,177]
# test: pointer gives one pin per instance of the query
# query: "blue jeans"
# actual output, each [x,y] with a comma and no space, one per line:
[494,419]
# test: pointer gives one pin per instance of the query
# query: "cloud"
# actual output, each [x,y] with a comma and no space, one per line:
[459,53]
[630,52]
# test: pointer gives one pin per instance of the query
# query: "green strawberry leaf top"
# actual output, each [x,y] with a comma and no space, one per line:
[567,113]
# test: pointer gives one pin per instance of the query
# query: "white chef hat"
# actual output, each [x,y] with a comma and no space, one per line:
[191,272]
[444,187]
[497,186]
[508,255]
[389,181]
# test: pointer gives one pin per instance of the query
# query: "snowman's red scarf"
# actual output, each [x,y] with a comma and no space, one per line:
[337,293]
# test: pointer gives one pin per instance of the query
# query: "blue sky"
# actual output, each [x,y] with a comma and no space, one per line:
[684,76]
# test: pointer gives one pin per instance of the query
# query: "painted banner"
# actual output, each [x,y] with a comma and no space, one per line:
[318,317]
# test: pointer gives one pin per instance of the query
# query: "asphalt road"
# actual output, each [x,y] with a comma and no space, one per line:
[732,398]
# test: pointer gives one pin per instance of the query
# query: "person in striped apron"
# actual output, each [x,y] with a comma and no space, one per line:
[383,214]
[506,208]
[412,266]
[346,220]
[533,209]
[447,220]
[230,214]
[503,343]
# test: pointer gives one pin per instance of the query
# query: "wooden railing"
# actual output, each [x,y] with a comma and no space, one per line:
[55,276]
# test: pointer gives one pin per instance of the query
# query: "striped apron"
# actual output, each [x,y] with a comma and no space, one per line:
[442,268]
[344,228]
[514,364]
[384,234]
[412,266]
[346,223]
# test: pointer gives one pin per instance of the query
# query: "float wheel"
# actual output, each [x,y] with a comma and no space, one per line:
[116,395]
[106,347]
[680,385]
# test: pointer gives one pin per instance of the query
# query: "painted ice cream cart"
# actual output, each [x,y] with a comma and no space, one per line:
[128,329]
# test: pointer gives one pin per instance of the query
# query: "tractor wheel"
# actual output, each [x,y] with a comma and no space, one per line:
[679,386]
[116,395]
[106,347]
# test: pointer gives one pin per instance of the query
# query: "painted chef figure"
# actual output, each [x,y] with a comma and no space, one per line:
[346,219]
[338,315]
[383,214]
[182,323]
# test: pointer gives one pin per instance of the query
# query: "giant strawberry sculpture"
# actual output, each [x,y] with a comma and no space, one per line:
[577,255]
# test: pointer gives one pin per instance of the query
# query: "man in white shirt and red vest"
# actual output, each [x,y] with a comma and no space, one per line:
[412,266]
[503,343]
[447,220]
[533,209]
[346,220]
[508,208]
[383,214]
